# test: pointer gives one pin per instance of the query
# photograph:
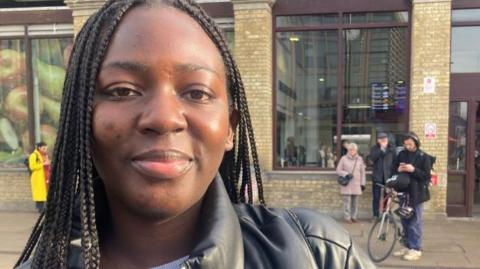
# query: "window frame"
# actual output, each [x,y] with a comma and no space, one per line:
[340,26]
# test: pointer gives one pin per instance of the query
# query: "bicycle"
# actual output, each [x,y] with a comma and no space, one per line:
[385,231]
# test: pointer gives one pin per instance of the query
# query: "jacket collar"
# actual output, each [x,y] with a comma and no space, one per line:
[352,158]
[220,243]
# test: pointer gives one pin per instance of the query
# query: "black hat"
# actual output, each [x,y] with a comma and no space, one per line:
[382,135]
[414,137]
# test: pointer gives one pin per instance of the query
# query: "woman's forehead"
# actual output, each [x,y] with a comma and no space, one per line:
[158,33]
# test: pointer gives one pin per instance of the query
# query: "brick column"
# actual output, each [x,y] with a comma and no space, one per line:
[253,53]
[431,27]
[82,10]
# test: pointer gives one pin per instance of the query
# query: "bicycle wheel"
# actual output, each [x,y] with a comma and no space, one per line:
[382,238]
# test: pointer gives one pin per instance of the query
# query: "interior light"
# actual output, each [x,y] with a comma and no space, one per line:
[294,38]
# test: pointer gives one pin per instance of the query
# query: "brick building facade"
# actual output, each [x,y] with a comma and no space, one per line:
[423,30]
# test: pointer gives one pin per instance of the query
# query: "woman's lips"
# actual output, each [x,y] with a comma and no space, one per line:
[162,164]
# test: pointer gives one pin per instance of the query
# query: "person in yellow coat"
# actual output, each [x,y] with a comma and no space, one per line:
[36,163]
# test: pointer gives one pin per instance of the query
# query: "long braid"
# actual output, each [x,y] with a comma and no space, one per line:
[31,241]
[72,165]
[59,172]
[65,168]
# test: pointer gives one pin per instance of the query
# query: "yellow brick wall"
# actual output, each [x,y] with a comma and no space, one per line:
[15,192]
[311,190]
[431,27]
[78,22]
[253,53]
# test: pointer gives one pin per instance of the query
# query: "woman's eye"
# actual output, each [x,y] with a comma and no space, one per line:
[198,95]
[123,92]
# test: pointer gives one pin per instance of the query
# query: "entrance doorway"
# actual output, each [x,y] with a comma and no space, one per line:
[463,187]
[476,187]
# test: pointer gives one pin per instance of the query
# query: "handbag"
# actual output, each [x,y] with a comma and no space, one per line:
[344,180]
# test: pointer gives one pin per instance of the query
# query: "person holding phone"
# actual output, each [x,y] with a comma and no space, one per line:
[417,165]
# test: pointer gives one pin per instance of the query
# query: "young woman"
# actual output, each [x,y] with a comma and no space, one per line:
[154,141]
[39,165]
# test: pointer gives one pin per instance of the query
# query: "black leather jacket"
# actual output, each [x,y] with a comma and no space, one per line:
[246,236]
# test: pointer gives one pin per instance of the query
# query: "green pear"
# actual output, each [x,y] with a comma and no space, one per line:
[51,108]
[15,105]
[8,134]
[48,50]
[13,157]
[50,78]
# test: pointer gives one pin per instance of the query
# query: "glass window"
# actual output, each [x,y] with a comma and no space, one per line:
[457,138]
[465,49]
[306,20]
[375,92]
[30,88]
[466,15]
[372,17]
[306,98]
[14,136]
[49,61]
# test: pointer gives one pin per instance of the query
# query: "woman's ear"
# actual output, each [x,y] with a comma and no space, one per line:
[234,118]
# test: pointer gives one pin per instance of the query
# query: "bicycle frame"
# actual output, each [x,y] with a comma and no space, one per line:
[385,207]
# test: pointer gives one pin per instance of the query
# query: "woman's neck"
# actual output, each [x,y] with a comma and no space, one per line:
[134,242]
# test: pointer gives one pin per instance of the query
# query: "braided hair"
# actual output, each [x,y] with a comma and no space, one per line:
[72,184]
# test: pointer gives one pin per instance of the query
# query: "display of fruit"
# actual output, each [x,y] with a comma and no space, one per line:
[15,105]
[50,78]
[51,108]
[8,134]
[12,68]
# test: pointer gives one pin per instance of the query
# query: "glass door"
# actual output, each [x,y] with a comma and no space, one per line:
[457,185]
[476,183]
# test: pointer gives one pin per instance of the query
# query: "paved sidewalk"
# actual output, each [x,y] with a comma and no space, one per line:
[15,229]
[453,243]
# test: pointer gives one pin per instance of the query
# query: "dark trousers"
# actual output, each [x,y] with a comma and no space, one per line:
[40,206]
[377,193]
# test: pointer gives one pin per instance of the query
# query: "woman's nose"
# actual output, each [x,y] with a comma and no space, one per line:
[162,113]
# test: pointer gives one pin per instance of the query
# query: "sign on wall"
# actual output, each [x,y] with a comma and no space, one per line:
[430,130]
[428,85]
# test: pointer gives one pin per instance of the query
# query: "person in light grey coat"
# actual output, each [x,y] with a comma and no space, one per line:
[352,163]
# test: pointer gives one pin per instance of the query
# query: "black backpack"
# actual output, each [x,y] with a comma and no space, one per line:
[26,162]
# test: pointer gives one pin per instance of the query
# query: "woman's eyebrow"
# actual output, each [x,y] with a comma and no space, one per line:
[190,67]
[127,66]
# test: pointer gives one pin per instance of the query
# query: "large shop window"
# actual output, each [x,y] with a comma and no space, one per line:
[465,40]
[344,83]
[32,71]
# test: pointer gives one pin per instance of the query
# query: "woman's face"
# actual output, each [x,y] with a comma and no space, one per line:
[352,151]
[161,117]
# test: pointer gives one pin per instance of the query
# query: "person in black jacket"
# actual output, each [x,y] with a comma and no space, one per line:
[418,165]
[156,144]
[382,155]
